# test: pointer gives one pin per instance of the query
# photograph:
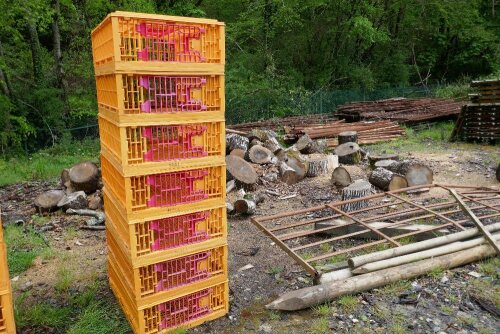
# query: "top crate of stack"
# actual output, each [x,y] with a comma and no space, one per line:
[147,43]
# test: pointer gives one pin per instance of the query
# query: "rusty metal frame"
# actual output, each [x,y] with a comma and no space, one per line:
[296,227]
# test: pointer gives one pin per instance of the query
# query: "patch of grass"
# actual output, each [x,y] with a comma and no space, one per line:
[406,240]
[486,289]
[39,315]
[466,320]
[395,288]
[322,310]
[436,273]
[47,164]
[70,233]
[397,327]
[337,258]
[40,220]
[24,246]
[273,315]
[490,267]
[381,312]
[307,255]
[325,248]
[101,318]
[348,303]
[320,326]
[64,278]
[484,330]
[275,270]
[446,309]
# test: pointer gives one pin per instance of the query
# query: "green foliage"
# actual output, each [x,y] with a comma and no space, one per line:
[100,318]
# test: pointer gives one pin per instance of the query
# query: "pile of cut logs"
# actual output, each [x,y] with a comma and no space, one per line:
[291,121]
[400,109]
[81,194]
[259,158]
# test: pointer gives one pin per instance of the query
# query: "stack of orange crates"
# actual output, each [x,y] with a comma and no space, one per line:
[160,91]
[7,325]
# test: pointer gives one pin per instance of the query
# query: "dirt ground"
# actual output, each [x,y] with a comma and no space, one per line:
[446,302]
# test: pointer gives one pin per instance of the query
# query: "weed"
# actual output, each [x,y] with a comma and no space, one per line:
[395,288]
[39,220]
[307,255]
[397,327]
[337,258]
[320,326]
[70,233]
[322,310]
[64,279]
[491,267]
[406,240]
[40,315]
[273,315]
[466,320]
[24,246]
[436,273]
[381,312]
[102,318]
[484,330]
[446,309]
[348,303]
[275,270]
[325,248]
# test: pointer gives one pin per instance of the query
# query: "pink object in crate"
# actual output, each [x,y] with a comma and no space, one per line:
[184,309]
[178,231]
[174,273]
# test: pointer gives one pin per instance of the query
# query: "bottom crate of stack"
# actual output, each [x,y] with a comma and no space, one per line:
[7,325]
[185,311]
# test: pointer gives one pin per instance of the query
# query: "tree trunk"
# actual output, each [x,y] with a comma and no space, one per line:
[56,33]
[320,164]
[35,52]
[348,137]
[241,171]
[415,173]
[359,188]
[349,153]
[386,180]
[310,296]
[343,176]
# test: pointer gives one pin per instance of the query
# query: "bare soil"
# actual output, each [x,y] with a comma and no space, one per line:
[444,305]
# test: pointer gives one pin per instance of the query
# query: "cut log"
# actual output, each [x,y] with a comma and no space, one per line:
[357,189]
[47,201]
[319,294]
[76,200]
[386,180]
[383,163]
[335,276]
[306,145]
[415,173]
[254,142]
[320,164]
[64,176]
[229,207]
[357,261]
[234,141]
[348,137]
[241,172]
[245,206]
[262,134]
[260,155]
[298,164]
[349,153]
[273,145]
[379,157]
[239,153]
[428,253]
[343,176]
[288,174]
[84,176]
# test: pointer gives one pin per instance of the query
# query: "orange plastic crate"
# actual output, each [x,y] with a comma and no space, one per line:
[4,270]
[7,324]
[135,150]
[147,195]
[175,276]
[135,41]
[148,241]
[142,99]
[186,311]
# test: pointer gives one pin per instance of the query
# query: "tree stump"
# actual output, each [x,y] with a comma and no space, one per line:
[415,173]
[306,145]
[374,158]
[383,163]
[239,153]
[47,201]
[348,137]
[84,176]
[387,180]
[348,153]
[260,155]
[357,189]
[343,176]
[234,141]
[241,172]
[245,206]
[320,164]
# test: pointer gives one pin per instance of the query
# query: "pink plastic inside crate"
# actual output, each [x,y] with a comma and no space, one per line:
[173,142]
[170,94]
[177,272]
[170,189]
[181,310]
[178,231]
[169,42]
